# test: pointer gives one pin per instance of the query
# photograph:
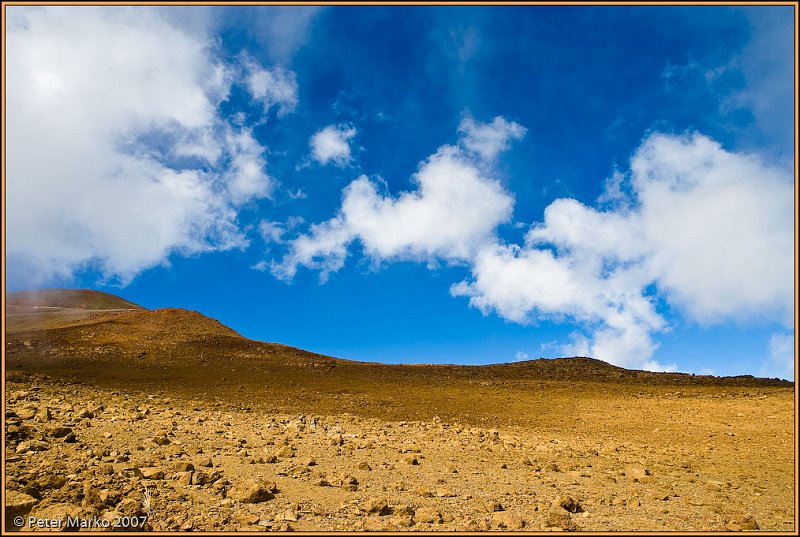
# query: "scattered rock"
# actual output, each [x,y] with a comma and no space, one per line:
[252,491]
[248,519]
[558,518]
[205,462]
[17,504]
[59,431]
[183,478]
[32,445]
[715,486]
[182,466]
[131,472]
[288,516]
[507,520]
[638,474]
[91,496]
[403,510]
[568,503]
[43,414]
[377,506]
[161,440]
[492,506]
[152,472]
[54,481]
[129,507]
[285,452]
[204,477]
[427,515]
[742,523]
[377,524]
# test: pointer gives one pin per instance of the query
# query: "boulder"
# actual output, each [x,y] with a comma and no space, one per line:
[379,506]
[17,504]
[427,515]
[252,491]
[568,503]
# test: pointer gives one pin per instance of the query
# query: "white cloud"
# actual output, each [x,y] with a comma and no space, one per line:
[272,231]
[521,356]
[323,249]
[718,228]
[781,360]
[489,139]
[116,155]
[708,230]
[528,284]
[711,229]
[332,145]
[451,215]
[273,87]
[245,177]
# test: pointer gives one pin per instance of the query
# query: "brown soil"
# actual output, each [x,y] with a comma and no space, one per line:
[547,444]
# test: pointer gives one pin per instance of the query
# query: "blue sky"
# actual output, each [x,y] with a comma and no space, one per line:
[419,184]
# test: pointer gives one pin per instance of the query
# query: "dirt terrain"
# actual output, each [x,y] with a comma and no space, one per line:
[171,416]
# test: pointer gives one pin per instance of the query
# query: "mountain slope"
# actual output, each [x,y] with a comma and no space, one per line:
[54,308]
[69,298]
[178,339]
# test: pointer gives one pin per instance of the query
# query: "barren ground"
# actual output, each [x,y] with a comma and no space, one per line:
[226,434]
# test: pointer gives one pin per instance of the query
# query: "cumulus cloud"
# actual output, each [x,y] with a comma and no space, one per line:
[332,145]
[116,154]
[527,284]
[718,227]
[707,230]
[450,216]
[710,229]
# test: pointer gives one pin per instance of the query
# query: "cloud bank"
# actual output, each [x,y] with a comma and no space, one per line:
[701,229]
[116,153]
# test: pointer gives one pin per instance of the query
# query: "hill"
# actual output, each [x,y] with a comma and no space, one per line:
[53,308]
[69,298]
[192,353]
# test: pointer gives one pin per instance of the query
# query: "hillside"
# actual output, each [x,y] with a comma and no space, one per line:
[195,354]
[69,298]
[53,308]
[172,414]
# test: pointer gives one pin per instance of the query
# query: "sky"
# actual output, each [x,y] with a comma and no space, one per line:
[451,184]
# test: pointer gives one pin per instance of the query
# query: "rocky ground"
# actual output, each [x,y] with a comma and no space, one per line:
[640,459]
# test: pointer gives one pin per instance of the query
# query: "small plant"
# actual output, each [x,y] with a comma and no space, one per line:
[147,505]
